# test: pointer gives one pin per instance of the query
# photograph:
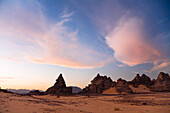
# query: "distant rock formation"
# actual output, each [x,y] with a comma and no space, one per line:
[21,91]
[5,91]
[59,88]
[35,92]
[98,84]
[75,89]
[141,80]
[122,86]
[162,83]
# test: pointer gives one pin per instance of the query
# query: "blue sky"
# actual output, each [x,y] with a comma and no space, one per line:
[40,39]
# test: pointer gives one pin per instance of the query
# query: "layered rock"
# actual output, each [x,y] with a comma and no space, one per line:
[98,84]
[122,86]
[162,83]
[59,87]
[141,80]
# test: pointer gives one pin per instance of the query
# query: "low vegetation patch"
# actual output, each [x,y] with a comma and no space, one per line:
[116,109]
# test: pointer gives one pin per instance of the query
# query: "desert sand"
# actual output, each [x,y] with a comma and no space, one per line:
[130,103]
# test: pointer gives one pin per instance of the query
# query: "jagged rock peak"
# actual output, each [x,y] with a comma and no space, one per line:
[137,77]
[59,87]
[122,86]
[144,80]
[162,83]
[98,84]
[120,79]
[60,81]
[163,76]
[99,79]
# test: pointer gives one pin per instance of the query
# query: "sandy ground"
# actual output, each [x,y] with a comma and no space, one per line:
[140,89]
[133,103]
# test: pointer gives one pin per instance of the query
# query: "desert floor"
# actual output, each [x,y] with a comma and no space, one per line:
[133,103]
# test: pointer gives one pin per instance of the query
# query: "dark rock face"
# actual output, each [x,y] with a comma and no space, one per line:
[5,91]
[98,84]
[162,76]
[35,92]
[123,86]
[143,80]
[162,83]
[59,87]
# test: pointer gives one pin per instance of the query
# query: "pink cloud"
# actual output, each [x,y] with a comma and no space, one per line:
[129,43]
[6,78]
[163,66]
[41,41]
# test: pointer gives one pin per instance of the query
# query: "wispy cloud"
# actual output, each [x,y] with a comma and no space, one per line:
[6,77]
[66,14]
[160,66]
[121,65]
[127,40]
[42,41]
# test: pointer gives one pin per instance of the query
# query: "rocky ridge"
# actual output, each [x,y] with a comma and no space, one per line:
[101,83]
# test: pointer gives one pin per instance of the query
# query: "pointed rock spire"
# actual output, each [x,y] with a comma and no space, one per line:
[60,81]
[59,87]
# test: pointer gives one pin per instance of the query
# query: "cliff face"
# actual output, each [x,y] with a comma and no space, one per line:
[122,86]
[162,83]
[59,87]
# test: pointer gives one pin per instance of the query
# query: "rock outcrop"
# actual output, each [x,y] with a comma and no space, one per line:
[122,86]
[59,88]
[35,92]
[162,83]
[141,80]
[98,84]
[5,91]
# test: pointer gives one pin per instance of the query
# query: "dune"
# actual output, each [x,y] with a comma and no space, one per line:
[140,89]
[111,90]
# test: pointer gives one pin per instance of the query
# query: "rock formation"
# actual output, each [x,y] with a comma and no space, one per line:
[35,92]
[98,84]
[59,88]
[5,91]
[122,86]
[141,80]
[75,89]
[162,83]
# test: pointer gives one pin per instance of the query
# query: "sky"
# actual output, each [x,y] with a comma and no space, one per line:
[39,39]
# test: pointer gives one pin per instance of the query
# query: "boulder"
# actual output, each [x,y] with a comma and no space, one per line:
[59,87]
